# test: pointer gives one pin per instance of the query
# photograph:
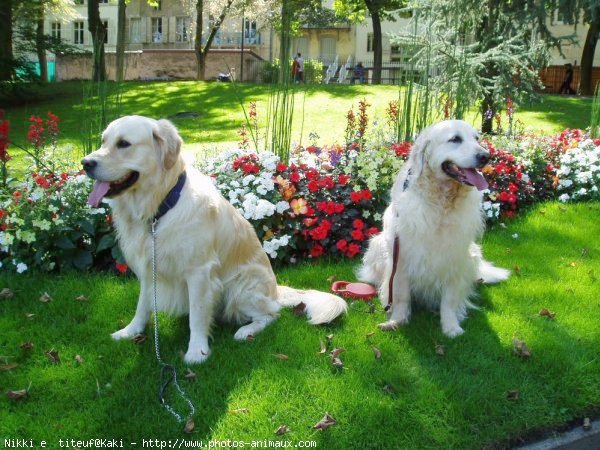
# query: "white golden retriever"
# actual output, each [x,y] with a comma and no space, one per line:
[209,261]
[435,214]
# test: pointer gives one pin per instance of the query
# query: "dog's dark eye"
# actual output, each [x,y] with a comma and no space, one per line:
[122,144]
[455,140]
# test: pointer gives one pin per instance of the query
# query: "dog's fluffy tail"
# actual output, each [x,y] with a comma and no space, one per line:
[320,307]
[491,274]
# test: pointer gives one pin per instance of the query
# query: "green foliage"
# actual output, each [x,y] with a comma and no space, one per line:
[595,119]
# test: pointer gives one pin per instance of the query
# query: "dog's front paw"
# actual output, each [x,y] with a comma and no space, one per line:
[452,331]
[125,333]
[196,355]
[390,325]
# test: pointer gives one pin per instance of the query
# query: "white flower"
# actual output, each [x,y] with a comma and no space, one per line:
[21,267]
[26,236]
[6,239]
[582,191]
[564,198]
[562,184]
[248,179]
[515,236]
[282,206]
[41,224]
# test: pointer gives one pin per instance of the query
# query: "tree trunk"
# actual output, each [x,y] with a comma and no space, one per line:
[120,56]
[200,50]
[40,45]
[96,28]
[6,53]
[587,58]
[377,42]
[487,114]
[285,42]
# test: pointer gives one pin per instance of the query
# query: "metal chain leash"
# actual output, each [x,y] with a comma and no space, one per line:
[168,373]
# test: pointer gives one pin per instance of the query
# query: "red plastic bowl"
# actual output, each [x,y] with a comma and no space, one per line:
[359,291]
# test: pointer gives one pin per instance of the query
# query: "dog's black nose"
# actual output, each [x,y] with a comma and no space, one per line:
[482,159]
[88,164]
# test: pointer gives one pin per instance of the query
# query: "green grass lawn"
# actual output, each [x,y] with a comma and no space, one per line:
[320,109]
[411,397]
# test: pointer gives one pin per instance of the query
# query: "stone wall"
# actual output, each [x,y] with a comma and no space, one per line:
[159,65]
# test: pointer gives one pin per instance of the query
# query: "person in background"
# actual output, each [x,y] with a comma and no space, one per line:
[358,73]
[300,67]
[566,88]
[295,67]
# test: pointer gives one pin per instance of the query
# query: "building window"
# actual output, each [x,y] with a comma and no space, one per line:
[55,30]
[370,42]
[105,23]
[78,32]
[135,35]
[157,30]
[250,34]
[182,29]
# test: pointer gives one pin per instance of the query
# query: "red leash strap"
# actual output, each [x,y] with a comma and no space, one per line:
[396,255]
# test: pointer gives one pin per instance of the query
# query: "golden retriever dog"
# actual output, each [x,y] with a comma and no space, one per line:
[435,216]
[209,262]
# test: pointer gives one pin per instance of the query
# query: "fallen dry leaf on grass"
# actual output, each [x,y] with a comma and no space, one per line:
[323,348]
[329,338]
[299,309]
[369,335]
[281,356]
[79,359]
[45,298]
[27,345]
[512,395]
[17,395]
[440,350]
[521,349]
[30,316]
[376,352]
[547,312]
[190,426]
[337,363]
[52,356]
[139,339]
[282,430]
[189,374]
[6,294]
[336,352]
[82,298]
[389,389]
[7,367]
[239,411]
[326,422]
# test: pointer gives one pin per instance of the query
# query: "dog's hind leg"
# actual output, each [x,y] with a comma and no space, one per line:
[258,324]
[204,290]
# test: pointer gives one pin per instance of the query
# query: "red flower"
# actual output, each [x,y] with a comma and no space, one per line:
[353,250]
[52,123]
[343,179]
[281,167]
[342,245]
[401,149]
[316,250]
[371,231]
[311,174]
[326,182]
[358,224]
[36,132]
[313,186]
[356,196]
[122,268]
[357,235]
[250,168]
[294,177]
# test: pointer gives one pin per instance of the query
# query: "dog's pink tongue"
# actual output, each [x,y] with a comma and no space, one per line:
[476,179]
[99,191]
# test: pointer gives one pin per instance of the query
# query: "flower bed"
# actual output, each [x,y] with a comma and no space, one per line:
[326,201]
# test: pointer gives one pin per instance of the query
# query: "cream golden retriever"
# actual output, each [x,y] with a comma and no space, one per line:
[209,261]
[435,214]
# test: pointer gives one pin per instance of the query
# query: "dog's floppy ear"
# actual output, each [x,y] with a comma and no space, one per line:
[418,153]
[168,142]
